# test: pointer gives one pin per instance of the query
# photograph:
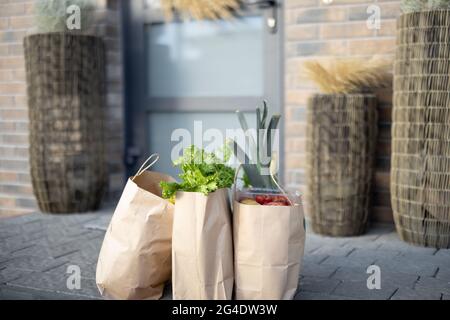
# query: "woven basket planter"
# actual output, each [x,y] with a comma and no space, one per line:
[341,137]
[65,77]
[420,168]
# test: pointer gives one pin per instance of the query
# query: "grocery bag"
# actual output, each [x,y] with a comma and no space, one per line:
[135,258]
[269,242]
[202,248]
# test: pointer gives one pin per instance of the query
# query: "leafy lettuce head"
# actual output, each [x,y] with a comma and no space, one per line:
[200,172]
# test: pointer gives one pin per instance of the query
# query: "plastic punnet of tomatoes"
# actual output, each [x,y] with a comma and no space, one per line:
[267,197]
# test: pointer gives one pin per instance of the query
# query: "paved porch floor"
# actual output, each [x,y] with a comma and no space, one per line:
[36,249]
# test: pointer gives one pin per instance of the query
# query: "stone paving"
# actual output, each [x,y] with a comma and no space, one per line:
[36,250]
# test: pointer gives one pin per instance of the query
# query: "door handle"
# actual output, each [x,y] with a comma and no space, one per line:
[272,19]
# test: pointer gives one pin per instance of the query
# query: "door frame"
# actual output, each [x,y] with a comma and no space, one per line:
[135,17]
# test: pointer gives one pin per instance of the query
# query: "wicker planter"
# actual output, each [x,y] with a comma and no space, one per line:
[65,77]
[341,137]
[420,168]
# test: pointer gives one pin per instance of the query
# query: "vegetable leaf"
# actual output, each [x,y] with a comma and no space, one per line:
[200,172]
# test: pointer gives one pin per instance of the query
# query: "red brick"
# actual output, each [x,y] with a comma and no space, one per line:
[345,30]
[295,161]
[295,129]
[298,96]
[5,76]
[6,102]
[11,36]
[4,23]
[317,15]
[7,201]
[296,145]
[387,28]
[4,50]
[20,101]
[322,48]
[12,63]
[388,10]
[12,88]
[15,139]
[18,75]
[14,212]
[302,32]
[23,22]
[29,8]
[15,49]
[12,9]
[8,176]
[14,189]
[13,114]
[372,46]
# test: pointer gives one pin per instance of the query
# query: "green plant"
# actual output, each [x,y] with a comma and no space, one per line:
[51,15]
[423,5]
[257,172]
[200,172]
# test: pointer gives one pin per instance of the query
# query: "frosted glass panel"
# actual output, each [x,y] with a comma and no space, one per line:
[162,125]
[206,58]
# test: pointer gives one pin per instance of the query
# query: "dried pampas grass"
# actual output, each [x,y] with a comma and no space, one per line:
[349,76]
[201,9]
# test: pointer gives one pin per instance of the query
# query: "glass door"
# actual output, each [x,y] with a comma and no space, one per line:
[185,77]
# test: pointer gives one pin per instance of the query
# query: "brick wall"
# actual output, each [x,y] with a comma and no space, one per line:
[315,30]
[16,21]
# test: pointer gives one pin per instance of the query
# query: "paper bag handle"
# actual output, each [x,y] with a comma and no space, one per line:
[272,171]
[145,166]
[236,174]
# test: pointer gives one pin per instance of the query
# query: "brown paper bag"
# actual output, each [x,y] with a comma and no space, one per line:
[135,258]
[268,248]
[202,252]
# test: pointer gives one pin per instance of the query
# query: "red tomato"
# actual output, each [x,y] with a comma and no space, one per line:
[263,199]
[281,199]
[275,203]
[260,199]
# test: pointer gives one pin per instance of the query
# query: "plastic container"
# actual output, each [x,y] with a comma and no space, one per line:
[270,196]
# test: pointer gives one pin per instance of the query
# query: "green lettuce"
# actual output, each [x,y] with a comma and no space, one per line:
[200,172]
